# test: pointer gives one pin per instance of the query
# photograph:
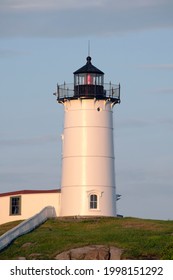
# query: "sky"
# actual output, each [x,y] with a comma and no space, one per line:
[42,42]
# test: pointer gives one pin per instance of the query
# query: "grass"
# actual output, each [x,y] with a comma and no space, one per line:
[139,238]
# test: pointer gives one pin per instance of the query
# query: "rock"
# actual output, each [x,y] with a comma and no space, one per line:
[63,256]
[79,253]
[28,244]
[104,253]
[92,252]
[115,253]
[35,256]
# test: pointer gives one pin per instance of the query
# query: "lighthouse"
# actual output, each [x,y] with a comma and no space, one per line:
[88,161]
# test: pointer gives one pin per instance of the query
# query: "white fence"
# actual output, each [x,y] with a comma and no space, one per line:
[27,226]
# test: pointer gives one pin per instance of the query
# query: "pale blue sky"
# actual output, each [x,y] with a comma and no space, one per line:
[42,43]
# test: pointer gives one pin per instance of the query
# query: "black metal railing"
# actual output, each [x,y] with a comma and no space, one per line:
[69,91]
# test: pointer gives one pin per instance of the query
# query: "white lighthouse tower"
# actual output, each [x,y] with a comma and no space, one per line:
[88,170]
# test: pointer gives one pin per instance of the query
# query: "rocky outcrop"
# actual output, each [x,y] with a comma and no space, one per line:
[92,252]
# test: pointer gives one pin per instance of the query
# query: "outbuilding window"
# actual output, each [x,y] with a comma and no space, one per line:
[93,201]
[15,205]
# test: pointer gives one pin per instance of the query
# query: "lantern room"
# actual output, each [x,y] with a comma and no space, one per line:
[89,81]
[88,84]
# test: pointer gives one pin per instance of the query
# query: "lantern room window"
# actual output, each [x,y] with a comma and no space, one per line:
[88,79]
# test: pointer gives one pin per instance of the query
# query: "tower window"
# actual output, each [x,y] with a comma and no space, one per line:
[93,201]
[15,205]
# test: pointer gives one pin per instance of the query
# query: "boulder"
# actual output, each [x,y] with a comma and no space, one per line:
[115,253]
[92,252]
[63,256]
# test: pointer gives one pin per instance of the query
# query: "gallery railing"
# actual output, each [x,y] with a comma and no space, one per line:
[71,91]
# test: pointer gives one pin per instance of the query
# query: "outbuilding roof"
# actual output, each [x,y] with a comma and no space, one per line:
[29,192]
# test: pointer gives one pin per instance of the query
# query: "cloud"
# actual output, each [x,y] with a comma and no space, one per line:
[157,66]
[167,121]
[57,18]
[29,141]
[77,4]
[168,91]
[44,5]
[132,122]
[11,53]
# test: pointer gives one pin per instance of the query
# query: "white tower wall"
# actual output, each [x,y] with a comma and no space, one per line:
[88,158]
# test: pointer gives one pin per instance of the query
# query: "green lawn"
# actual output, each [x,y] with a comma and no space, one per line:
[139,238]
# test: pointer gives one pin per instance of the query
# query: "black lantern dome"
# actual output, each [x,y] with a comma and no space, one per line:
[88,68]
[88,81]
